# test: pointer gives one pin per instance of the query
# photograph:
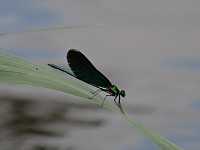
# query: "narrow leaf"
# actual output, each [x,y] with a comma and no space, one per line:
[49,29]
[17,70]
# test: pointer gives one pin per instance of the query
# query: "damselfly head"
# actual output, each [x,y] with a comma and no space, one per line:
[122,93]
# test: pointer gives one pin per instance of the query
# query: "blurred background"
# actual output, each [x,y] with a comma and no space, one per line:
[149,48]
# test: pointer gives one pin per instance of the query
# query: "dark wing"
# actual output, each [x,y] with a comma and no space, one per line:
[84,70]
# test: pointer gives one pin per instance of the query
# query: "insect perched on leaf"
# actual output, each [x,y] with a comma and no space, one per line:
[83,70]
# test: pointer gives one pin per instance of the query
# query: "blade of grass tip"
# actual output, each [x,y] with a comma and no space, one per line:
[14,69]
[49,29]
[158,140]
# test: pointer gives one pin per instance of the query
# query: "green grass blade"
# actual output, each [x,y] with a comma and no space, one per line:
[17,70]
[49,29]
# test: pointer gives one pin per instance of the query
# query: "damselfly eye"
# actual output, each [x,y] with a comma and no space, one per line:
[122,93]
